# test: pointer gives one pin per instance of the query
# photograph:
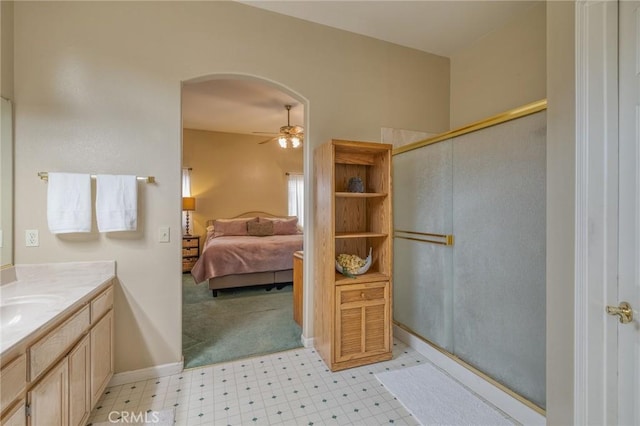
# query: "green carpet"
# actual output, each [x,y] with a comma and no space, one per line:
[239,323]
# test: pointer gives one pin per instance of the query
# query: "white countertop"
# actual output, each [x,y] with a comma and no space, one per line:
[60,284]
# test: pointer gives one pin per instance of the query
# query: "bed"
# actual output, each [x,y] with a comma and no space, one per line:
[254,248]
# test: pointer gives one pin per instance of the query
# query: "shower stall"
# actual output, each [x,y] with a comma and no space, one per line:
[469,246]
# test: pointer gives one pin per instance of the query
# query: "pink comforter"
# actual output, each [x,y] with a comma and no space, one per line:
[242,255]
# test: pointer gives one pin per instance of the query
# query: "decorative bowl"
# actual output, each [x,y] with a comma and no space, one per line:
[364,268]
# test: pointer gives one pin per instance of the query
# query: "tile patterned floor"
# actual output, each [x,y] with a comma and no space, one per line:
[288,388]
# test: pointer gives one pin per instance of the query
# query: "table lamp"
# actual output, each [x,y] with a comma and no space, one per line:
[188,205]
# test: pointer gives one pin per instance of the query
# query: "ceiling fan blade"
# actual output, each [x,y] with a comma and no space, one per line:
[268,140]
[264,133]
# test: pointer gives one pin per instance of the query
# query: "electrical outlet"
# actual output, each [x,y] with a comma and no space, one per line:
[164,235]
[31,238]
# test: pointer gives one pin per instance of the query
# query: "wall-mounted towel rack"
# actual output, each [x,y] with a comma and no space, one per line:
[442,239]
[146,179]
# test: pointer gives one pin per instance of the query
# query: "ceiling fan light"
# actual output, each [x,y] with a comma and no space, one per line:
[282,141]
[295,142]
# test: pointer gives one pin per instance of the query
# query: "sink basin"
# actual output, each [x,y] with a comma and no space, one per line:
[14,309]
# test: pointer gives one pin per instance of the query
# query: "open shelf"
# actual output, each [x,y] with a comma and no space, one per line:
[360,194]
[340,235]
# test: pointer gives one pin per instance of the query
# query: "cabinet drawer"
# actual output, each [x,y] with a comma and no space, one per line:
[190,242]
[15,373]
[101,304]
[44,352]
[187,264]
[189,252]
[362,293]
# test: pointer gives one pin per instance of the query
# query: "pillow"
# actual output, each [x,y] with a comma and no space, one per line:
[226,227]
[260,229]
[283,226]
[209,232]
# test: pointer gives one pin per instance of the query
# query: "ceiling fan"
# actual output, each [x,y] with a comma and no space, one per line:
[289,136]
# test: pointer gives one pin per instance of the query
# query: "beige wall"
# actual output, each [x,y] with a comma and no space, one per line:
[6,49]
[503,70]
[6,135]
[233,174]
[561,142]
[97,89]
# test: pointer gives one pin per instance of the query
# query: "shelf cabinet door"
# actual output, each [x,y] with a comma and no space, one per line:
[101,356]
[49,399]
[362,321]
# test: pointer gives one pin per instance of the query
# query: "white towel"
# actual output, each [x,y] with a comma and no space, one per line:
[116,203]
[69,203]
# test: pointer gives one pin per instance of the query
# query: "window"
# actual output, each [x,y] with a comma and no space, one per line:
[296,196]
[186,182]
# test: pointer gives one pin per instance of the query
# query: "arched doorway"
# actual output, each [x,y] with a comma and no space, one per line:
[237,167]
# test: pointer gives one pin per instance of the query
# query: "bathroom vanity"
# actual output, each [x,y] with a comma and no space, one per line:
[56,342]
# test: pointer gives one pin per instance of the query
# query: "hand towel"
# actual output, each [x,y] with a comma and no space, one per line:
[69,203]
[116,203]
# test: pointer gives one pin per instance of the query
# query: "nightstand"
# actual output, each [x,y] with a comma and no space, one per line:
[190,251]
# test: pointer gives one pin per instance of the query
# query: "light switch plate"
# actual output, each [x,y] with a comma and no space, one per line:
[164,235]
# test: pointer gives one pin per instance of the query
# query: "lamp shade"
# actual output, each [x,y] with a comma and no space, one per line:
[188,203]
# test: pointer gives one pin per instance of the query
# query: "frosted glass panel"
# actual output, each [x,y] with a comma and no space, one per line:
[422,199]
[482,299]
[422,299]
[499,183]
[422,184]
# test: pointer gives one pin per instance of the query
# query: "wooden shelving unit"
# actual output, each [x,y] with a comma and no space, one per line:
[352,325]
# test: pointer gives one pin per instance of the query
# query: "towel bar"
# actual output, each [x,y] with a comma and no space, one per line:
[146,179]
[441,239]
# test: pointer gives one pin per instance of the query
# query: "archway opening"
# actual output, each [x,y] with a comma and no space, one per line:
[243,182]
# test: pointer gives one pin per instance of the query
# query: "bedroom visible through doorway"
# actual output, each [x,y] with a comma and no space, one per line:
[243,149]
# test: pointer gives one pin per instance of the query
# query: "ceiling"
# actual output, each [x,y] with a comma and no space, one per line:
[419,24]
[439,27]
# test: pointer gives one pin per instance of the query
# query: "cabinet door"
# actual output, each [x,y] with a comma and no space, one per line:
[79,396]
[15,373]
[16,417]
[362,320]
[49,399]
[101,356]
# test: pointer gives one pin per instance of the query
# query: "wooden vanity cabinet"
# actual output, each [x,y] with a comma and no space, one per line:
[15,373]
[50,397]
[62,396]
[16,416]
[352,317]
[101,356]
[79,382]
[65,368]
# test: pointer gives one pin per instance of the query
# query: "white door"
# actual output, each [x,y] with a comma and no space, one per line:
[628,347]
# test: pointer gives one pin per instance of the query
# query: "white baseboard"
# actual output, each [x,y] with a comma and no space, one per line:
[146,373]
[307,342]
[505,402]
